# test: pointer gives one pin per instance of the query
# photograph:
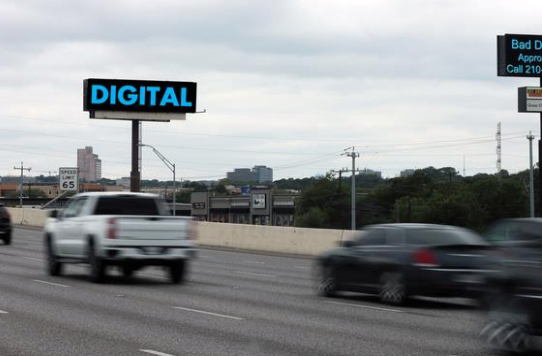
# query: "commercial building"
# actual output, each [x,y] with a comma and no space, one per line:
[89,165]
[258,207]
[259,174]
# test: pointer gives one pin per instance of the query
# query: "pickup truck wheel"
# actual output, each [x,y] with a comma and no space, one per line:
[7,238]
[177,272]
[97,266]
[54,267]
[127,271]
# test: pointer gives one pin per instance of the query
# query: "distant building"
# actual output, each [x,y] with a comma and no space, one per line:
[123,182]
[370,172]
[264,174]
[89,165]
[407,173]
[259,174]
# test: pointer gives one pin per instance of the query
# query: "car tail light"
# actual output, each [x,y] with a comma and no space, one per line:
[192,230]
[425,258]
[111,228]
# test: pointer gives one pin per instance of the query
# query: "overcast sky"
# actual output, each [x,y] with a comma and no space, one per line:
[286,83]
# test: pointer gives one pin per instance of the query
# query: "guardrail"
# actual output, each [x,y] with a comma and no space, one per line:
[274,239]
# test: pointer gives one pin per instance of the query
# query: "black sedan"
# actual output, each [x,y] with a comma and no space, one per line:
[515,299]
[396,261]
[5,225]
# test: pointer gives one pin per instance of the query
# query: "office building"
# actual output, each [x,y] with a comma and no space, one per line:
[89,165]
[258,174]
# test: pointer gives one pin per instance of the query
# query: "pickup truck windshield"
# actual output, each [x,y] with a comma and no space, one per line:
[126,205]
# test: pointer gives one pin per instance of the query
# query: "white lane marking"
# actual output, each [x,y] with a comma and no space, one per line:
[258,262]
[209,313]
[50,283]
[155,352]
[34,259]
[301,267]
[366,306]
[255,274]
[3,312]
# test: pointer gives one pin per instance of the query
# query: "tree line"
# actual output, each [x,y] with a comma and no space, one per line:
[430,195]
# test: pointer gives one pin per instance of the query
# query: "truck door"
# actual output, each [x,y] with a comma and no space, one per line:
[69,235]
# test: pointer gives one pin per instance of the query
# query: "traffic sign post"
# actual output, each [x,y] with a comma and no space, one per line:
[68,179]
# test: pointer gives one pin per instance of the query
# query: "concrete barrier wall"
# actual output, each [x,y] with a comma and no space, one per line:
[270,238]
[291,240]
[28,217]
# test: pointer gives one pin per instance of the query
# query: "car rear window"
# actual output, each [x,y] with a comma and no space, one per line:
[443,237]
[127,205]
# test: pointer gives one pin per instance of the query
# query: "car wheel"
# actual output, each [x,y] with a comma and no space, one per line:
[508,328]
[54,267]
[97,266]
[326,281]
[7,239]
[177,272]
[392,288]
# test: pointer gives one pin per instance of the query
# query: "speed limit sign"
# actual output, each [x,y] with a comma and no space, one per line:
[68,179]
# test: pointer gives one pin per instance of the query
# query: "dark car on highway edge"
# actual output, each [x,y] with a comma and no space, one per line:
[396,261]
[515,289]
[6,229]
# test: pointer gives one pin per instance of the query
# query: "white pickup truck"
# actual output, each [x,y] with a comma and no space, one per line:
[130,230]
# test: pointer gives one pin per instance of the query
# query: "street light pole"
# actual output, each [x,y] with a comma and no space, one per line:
[171,167]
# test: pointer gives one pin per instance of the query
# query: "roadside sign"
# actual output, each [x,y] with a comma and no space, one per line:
[68,179]
[519,55]
[530,99]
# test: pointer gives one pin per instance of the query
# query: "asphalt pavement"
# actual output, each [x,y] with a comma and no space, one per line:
[233,303]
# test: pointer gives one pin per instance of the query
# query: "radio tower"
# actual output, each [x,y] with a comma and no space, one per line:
[498,138]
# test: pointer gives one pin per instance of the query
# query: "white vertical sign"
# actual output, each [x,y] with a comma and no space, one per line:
[68,179]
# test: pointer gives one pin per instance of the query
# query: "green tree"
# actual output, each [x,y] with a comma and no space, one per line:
[183,196]
[333,205]
[314,218]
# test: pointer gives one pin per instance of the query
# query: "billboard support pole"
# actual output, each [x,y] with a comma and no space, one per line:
[135,177]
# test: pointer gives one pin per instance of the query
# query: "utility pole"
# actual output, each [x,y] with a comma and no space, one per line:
[22,168]
[353,155]
[530,137]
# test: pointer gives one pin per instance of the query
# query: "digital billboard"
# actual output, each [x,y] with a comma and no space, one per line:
[519,55]
[143,96]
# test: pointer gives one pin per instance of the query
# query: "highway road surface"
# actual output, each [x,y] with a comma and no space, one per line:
[233,304]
